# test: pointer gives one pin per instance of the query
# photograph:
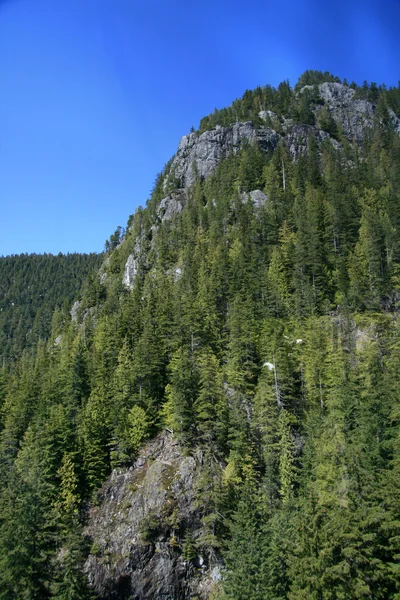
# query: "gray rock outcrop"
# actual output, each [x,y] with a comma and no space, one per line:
[394,120]
[353,116]
[296,140]
[202,153]
[199,154]
[257,197]
[103,271]
[137,528]
[170,206]
[130,271]
[268,114]
[74,310]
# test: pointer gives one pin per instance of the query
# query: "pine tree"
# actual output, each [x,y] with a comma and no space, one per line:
[245,555]
[210,404]
[95,434]
[179,411]
[27,527]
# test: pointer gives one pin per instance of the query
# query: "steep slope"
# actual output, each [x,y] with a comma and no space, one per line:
[296,350]
[225,398]
[334,108]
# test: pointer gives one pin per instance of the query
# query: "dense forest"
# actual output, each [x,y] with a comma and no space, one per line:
[265,333]
[32,286]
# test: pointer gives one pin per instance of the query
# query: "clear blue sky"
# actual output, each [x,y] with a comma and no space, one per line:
[95,94]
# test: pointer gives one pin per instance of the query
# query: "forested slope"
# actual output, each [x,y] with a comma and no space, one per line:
[251,313]
[32,286]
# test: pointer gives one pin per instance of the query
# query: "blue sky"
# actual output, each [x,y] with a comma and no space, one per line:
[95,94]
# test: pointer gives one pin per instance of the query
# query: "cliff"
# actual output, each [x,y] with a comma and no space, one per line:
[138,524]
[198,155]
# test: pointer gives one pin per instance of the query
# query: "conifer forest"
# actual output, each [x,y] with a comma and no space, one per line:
[247,319]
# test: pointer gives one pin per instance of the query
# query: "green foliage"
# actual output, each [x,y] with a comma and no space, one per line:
[115,239]
[27,526]
[327,123]
[32,287]
[96,436]
[189,551]
[68,503]
[248,107]
[266,337]
[311,77]
[139,425]
[70,582]
[246,577]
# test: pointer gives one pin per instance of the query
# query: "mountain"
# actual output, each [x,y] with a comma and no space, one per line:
[219,417]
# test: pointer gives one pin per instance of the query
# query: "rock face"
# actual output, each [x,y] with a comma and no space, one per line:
[170,206]
[131,269]
[395,120]
[296,140]
[137,528]
[257,197]
[203,152]
[353,116]
[199,154]
[74,311]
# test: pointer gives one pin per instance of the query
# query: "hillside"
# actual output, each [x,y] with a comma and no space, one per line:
[219,418]
[32,286]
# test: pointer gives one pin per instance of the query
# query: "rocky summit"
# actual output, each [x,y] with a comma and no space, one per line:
[199,154]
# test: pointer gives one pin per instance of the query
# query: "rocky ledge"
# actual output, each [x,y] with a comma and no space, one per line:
[138,525]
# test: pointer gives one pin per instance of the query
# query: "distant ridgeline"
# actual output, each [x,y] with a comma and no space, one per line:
[32,286]
[224,397]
